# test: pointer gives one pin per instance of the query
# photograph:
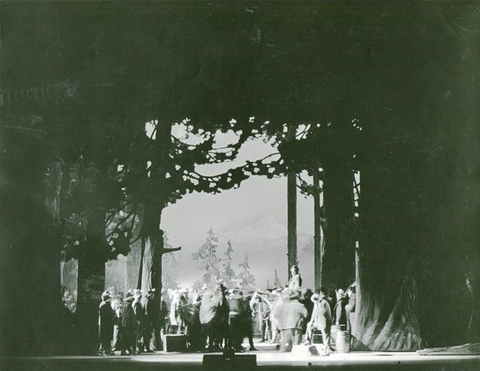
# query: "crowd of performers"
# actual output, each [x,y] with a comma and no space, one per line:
[220,319]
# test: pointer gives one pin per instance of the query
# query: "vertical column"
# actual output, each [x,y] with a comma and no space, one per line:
[292,220]
[319,239]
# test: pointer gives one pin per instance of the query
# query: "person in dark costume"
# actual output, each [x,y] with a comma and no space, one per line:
[247,321]
[139,320]
[105,325]
[339,309]
[195,333]
[235,320]
[128,326]
[151,314]
[208,318]
[221,323]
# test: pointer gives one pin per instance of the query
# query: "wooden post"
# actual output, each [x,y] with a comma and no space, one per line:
[292,220]
[317,239]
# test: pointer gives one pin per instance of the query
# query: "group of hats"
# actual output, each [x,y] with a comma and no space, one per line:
[137,293]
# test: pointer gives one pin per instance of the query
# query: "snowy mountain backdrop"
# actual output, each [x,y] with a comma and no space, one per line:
[264,240]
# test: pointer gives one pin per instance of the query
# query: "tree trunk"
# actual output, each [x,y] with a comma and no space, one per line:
[387,267]
[152,239]
[338,265]
[292,220]
[31,305]
[318,231]
[140,270]
[91,282]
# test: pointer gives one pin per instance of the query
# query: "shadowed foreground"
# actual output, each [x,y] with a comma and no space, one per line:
[267,359]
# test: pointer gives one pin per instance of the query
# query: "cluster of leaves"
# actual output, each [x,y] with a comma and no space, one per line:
[119,231]
[71,191]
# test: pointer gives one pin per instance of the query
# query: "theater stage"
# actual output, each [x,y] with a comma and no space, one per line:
[267,359]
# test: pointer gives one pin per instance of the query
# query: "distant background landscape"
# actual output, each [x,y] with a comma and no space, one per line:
[264,239]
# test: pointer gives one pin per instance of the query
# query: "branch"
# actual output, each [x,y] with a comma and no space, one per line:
[109,220]
[124,219]
[239,167]
[173,249]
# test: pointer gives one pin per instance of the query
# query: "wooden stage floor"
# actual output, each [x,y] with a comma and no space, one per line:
[267,358]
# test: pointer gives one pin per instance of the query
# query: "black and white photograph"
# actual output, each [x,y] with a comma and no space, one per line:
[239,185]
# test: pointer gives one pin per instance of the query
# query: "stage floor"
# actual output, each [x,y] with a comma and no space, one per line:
[267,359]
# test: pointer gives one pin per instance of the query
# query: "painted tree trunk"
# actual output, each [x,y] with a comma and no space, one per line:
[152,239]
[338,264]
[91,282]
[140,270]
[292,220]
[387,303]
[318,238]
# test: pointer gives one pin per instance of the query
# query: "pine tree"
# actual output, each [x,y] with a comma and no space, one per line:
[245,278]
[229,251]
[207,256]
[228,274]
[277,282]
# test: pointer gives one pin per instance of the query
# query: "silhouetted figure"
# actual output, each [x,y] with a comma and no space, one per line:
[247,321]
[128,325]
[339,310]
[105,325]
[139,320]
[151,308]
[208,318]
[235,320]
[195,333]
[222,319]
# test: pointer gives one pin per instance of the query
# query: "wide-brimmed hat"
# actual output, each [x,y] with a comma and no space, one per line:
[235,293]
[290,295]
[137,293]
[317,297]
[106,295]
[248,293]
[340,293]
